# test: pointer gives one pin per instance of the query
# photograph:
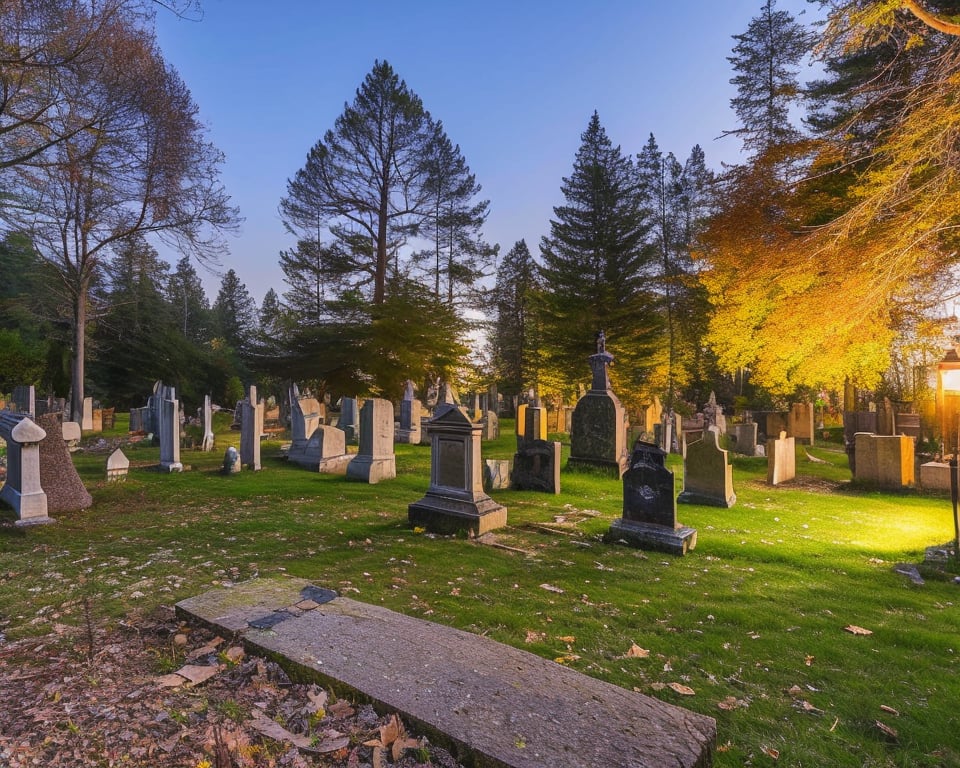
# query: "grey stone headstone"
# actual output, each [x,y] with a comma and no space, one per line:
[781,459]
[117,466]
[375,460]
[22,489]
[208,437]
[707,475]
[169,431]
[251,430]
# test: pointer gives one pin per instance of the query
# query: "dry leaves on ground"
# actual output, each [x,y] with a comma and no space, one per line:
[65,708]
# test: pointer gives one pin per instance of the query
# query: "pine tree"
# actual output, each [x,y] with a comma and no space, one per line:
[594,267]
[315,273]
[458,256]
[766,59]
[365,180]
[185,293]
[514,341]
[235,312]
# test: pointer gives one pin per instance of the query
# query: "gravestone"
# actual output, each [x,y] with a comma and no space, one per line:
[25,399]
[854,422]
[349,418]
[86,421]
[207,416]
[96,421]
[536,464]
[885,461]
[886,419]
[118,465]
[408,429]
[231,461]
[375,461]
[71,433]
[306,414]
[108,418]
[491,426]
[935,476]
[744,437]
[22,489]
[58,476]
[455,500]
[713,415]
[324,452]
[707,475]
[251,429]
[781,459]
[496,474]
[800,423]
[598,433]
[521,423]
[649,505]
[168,427]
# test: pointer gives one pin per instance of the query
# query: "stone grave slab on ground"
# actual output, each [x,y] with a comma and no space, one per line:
[707,474]
[23,489]
[498,705]
[455,499]
[58,477]
[649,505]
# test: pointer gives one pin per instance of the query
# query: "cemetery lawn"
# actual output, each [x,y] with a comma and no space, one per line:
[788,623]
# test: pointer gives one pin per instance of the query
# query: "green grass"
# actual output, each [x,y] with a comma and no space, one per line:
[753,619]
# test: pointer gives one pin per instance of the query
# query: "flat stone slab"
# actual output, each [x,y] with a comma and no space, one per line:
[494,704]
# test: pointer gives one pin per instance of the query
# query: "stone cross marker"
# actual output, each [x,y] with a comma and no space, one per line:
[22,489]
[455,500]
[649,506]
[375,461]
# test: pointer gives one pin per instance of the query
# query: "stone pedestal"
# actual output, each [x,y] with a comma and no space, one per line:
[375,461]
[455,500]
[22,489]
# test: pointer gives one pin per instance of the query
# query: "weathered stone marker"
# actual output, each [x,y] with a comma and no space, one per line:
[22,489]
[498,705]
[707,475]
[649,505]
[455,500]
[375,461]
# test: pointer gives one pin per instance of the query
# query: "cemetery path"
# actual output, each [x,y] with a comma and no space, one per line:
[153,692]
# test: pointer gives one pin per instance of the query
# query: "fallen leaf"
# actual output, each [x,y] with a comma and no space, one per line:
[551,588]
[341,708]
[196,673]
[683,690]
[170,681]
[796,691]
[535,637]
[808,660]
[728,704]
[636,652]
[891,710]
[853,629]
[771,752]
[887,730]
[273,730]
[567,639]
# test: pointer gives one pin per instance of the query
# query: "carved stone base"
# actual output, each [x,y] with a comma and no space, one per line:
[676,541]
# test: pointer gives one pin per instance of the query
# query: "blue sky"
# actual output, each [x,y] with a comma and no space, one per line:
[514,83]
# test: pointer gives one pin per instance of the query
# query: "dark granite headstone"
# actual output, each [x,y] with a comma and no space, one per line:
[649,505]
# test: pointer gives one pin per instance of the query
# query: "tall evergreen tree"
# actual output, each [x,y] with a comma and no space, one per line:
[594,267]
[515,338]
[365,180]
[235,312]
[316,274]
[766,60]
[458,256]
[185,293]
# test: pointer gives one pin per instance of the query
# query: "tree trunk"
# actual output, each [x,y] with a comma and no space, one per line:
[79,352]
